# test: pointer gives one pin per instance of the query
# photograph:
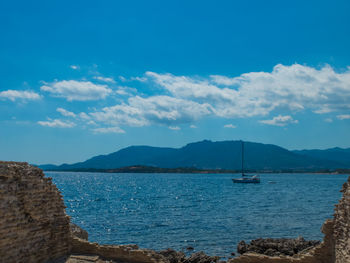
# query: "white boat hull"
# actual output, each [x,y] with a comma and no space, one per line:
[255,180]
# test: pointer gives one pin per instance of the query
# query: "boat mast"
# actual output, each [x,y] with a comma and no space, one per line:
[242,158]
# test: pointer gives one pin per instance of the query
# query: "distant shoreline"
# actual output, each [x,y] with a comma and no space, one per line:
[186,170]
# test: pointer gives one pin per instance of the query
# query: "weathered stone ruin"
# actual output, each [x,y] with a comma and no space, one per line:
[33,224]
[341,227]
[35,228]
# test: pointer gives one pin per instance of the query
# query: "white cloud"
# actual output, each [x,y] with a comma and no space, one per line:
[119,115]
[74,67]
[343,117]
[280,120]
[66,113]
[225,102]
[91,123]
[123,79]
[169,110]
[230,126]
[323,109]
[77,90]
[108,130]
[156,109]
[104,79]
[181,86]
[329,120]
[223,80]
[57,123]
[295,88]
[193,126]
[140,79]
[19,94]
[126,91]
[174,128]
[84,116]
[122,92]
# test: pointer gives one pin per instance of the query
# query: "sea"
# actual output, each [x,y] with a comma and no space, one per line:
[206,212]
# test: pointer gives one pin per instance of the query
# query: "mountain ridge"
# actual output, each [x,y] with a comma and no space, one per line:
[224,155]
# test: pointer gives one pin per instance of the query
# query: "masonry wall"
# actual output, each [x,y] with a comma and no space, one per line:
[33,223]
[34,227]
[342,226]
[122,253]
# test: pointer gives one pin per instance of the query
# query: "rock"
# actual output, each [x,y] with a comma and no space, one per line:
[276,246]
[173,256]
[78,231]
[179,257]
[242,247]
[201,257]
[270,252]
[190,248]
[233,254]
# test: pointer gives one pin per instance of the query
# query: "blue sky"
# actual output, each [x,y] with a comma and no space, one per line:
[82,78]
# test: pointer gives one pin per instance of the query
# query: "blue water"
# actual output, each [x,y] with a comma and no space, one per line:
[205,211]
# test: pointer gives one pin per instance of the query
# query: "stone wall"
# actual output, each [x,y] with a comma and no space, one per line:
[33,223]
[342,226]
[123,253]
[34,227]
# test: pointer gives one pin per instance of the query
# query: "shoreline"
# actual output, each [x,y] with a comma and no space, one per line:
[191,170]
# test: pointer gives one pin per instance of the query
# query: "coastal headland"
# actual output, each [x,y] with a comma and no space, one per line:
[34,227]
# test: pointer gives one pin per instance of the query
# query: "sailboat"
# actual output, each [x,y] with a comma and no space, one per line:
[246,178]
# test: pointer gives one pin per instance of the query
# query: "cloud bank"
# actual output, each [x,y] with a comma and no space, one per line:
[294,88]
[186,99]
[177,100]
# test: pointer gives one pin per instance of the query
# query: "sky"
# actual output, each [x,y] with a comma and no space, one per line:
[84,78]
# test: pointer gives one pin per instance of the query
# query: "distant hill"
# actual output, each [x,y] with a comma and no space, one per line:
[212,155]
[333,154]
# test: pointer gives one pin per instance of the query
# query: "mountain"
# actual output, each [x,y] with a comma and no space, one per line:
[210,155]
[333,154]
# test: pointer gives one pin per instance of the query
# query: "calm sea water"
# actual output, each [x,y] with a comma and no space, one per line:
[205,211]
